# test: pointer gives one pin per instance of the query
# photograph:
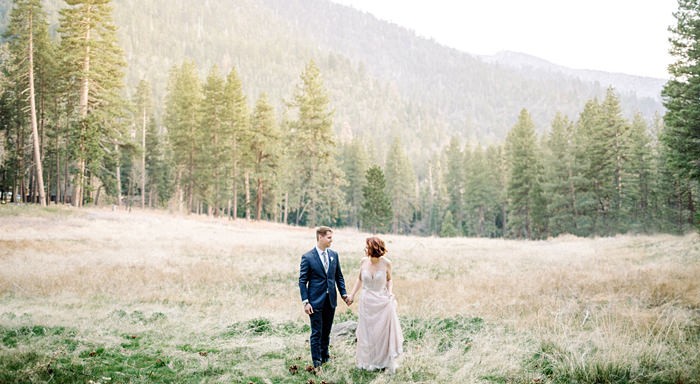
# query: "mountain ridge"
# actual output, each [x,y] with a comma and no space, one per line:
[464,70]
[643,85]
[383,79]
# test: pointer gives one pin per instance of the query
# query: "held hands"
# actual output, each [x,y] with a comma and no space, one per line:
[348,300]
[308,309]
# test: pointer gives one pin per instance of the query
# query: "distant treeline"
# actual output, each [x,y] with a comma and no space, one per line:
[216,150]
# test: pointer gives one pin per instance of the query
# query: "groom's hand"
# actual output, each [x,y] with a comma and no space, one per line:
[308,309]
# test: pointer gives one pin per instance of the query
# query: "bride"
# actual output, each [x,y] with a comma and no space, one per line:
[379,337]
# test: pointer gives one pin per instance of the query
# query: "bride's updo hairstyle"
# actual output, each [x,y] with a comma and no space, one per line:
[375,247]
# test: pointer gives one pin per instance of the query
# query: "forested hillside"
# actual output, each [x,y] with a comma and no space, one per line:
[476,98]
[277,110]
[434,92]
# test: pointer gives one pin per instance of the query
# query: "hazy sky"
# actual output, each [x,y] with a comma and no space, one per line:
[627,36]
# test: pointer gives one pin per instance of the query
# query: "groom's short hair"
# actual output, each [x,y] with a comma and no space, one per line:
[322,231]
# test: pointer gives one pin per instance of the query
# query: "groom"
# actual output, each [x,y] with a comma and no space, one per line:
[319,274]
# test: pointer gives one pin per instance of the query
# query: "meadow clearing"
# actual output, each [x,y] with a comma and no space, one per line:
[108,296]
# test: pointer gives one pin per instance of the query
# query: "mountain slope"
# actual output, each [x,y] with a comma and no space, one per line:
[382,79]
[462,86]
[644,87]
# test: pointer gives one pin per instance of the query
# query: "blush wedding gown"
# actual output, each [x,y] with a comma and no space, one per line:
[379,336]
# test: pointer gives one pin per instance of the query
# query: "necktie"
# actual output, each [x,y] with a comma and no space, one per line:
[324,257]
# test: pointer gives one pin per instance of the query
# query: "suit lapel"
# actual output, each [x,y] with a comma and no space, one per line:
[331,260]
[318,263]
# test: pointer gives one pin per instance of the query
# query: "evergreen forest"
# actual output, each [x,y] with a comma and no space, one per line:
[91,115]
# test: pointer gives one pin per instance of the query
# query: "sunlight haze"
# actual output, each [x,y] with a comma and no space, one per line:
[625,36]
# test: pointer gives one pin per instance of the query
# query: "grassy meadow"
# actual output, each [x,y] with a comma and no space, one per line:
[102,296]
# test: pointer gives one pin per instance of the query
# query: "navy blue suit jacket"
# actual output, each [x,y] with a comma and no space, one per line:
[315,284]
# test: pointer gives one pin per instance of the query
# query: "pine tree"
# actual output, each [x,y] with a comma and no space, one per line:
[182,124]
[613,138]
[657,187]
[636,210]
[682,93]
[481,195]
[93,58]
[317,197]
[448,228]
[212,154]
[159,184]
[354,163]
[455,180]
[560,190]
[264,145]
[681,97]
[497,162]
[432,198]
[143,115]
[237,124]
[525,196]
[675,193]
[401,186]
[27,34]
[586,179]
[376,208]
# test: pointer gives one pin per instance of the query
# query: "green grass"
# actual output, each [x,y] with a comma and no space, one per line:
[452,332]
[57,355]
[262,326]
[243,353]
[554,364]
[41,354]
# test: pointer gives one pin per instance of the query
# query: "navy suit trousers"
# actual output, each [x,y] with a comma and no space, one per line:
[321,323]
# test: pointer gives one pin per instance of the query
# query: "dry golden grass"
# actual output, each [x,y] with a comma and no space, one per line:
[621,300]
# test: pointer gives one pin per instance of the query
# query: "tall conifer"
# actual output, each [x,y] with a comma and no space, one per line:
[317,197]
[455,181]
[27,34]
[354,163]
[559,168]
[376,210]
[526,206]
[182,123]
[212,154]
[95,62]
[264,142]
[681,97]
[401,187]
[237,123]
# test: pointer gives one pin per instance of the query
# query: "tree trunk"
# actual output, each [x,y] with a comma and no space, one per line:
[259,200]
[18,193]
[84,91]
[178,188]
[143,161]
[190,185]
[286,207]
[504,212]
[35,129]
[247,195]
[234,189]
[97,195]
[130,191]
[119,180]
[59,188]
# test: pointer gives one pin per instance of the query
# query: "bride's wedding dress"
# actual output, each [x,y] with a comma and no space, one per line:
[379,336]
